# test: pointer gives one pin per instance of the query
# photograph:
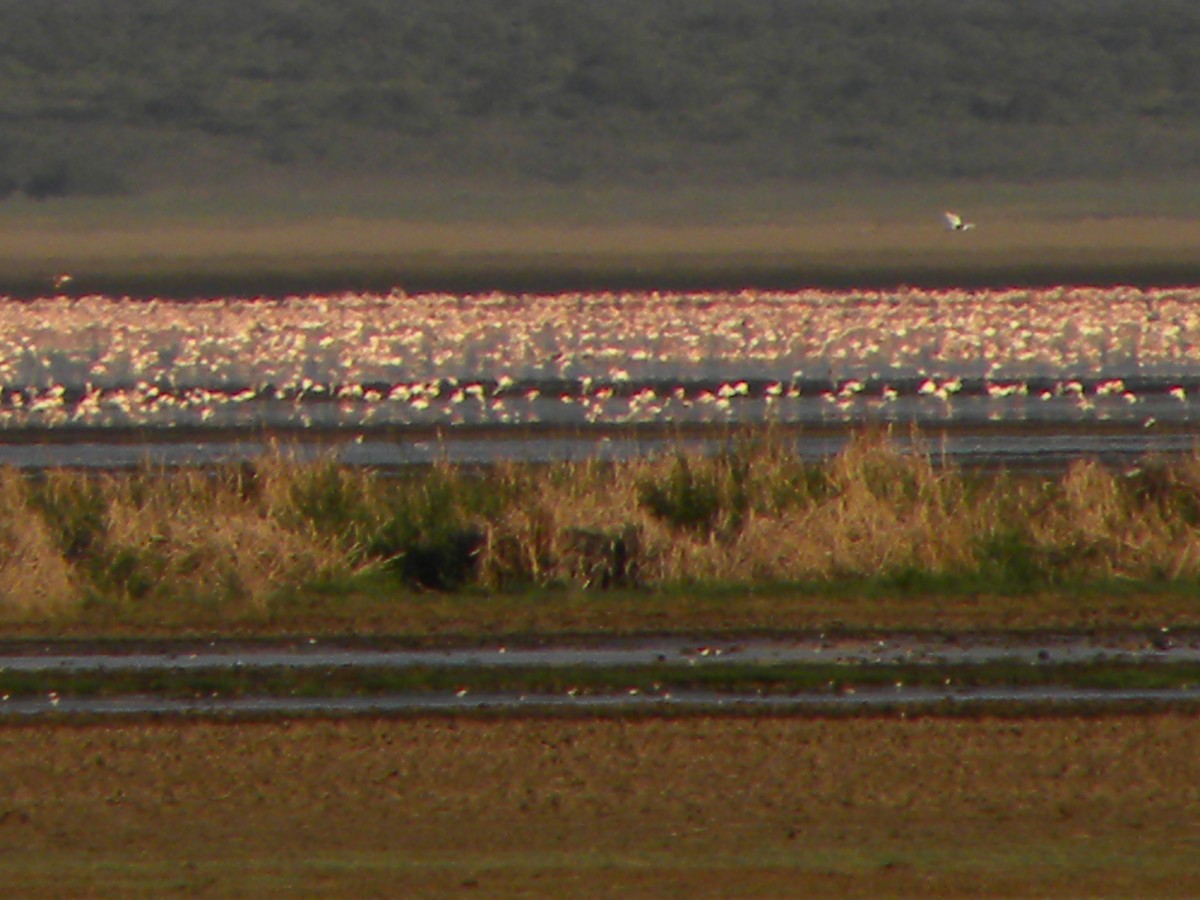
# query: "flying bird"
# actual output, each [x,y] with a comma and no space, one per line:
[955,223]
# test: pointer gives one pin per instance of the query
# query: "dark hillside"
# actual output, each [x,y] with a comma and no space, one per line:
[104,96]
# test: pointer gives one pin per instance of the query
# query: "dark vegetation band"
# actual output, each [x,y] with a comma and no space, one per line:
[103,97]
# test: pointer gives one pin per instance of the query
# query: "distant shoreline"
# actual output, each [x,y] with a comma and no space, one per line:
[519,275]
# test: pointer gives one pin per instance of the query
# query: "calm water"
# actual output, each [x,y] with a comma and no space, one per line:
[1045,447]
[1050,649]
[902,697]
[1159,647]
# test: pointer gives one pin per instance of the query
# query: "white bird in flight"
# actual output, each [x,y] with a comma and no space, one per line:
[955,223]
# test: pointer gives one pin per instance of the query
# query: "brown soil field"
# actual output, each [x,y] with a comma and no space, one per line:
[1104,806]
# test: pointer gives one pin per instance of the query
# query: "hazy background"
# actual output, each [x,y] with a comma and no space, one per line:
[126,96]
[804,136]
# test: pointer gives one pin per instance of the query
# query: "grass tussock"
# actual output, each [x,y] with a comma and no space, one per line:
[236,536]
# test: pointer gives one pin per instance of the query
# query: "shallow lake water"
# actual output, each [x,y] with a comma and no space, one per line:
[995,376]
[997,447]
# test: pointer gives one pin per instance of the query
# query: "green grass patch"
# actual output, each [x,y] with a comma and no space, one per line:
[732,678]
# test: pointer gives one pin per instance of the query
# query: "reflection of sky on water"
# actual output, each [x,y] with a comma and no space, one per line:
[666,653]
[1171,401]
[975,449]
[659,701]
[1118,357]
[1048,648]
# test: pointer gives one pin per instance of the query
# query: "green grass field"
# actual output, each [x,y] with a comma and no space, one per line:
[728,678]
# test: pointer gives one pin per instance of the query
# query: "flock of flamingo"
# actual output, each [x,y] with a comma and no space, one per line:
[352,359]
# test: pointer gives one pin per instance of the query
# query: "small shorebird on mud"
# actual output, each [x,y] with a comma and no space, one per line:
[955,223]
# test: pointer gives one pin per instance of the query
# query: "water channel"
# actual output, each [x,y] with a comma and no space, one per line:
[1160,647]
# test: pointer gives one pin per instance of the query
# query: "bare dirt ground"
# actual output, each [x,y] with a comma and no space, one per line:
[1099,806]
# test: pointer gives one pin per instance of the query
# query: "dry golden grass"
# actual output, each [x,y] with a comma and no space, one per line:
[157,537]
[1097,807]
[870,511]
[246,543]
[233,541]
[34,577]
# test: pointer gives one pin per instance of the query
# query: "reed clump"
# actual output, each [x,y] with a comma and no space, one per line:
[232,537]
